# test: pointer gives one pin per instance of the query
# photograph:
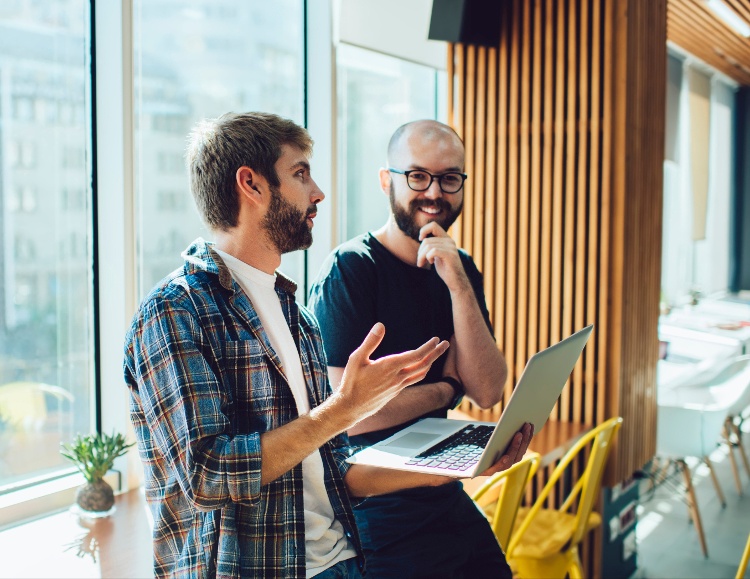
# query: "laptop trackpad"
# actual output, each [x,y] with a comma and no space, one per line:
[411,441]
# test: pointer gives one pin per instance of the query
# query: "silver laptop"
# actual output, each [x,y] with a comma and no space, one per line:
[462,448]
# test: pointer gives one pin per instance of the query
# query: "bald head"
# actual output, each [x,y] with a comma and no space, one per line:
[423,131]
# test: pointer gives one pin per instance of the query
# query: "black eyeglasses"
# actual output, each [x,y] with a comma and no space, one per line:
[419,180]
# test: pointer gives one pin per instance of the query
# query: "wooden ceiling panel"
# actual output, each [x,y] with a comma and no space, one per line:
[695,28]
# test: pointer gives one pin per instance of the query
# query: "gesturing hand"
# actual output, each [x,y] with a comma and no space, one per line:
[439,249]
[367,385]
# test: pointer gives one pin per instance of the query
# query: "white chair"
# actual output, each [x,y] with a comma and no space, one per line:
[693,409]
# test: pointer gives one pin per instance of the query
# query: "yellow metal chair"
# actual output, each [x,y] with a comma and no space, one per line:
[544,542]
[745,557]
[24,406]
[500,496]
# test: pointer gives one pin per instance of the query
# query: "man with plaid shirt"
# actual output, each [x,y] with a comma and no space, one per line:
[243,442]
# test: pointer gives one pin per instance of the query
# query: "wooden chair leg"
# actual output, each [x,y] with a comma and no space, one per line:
[732,460]
[693,505]
[662,471]
[717,486]
[738,435]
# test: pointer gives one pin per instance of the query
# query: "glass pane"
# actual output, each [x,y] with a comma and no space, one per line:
[376,95]
[46,293]
[197,59]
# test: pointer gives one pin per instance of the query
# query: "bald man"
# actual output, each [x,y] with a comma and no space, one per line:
[410,275]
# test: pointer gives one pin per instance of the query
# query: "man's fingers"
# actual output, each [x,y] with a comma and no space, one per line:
[422,257]
[514,447]
[430,346]
[370,343]
[432,228]
[426,358]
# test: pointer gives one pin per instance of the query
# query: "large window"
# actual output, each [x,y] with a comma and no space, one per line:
[695,240]
[46,297]
[376,94]
[198,59]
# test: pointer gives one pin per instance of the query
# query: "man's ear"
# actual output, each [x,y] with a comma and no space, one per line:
[385,180]
[248,184]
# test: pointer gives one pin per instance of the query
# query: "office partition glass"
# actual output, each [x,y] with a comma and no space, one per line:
[46,263]
[196,59]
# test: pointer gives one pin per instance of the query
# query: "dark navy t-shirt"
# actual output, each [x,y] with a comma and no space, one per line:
[362,283]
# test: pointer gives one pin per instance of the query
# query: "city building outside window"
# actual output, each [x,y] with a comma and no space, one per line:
[196,60]
[46,295]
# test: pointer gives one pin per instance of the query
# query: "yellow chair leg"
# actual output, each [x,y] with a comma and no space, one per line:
[575,570]
[745,558]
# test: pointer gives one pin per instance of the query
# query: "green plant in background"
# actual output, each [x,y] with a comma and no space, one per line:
[94,454]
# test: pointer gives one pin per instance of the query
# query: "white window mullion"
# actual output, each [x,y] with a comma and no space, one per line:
[116,223]
[321,122]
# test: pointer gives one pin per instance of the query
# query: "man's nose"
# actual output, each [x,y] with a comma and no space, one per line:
[434,191]
[317,195]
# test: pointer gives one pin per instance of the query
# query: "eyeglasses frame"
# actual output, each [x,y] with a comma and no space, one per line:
[439,178]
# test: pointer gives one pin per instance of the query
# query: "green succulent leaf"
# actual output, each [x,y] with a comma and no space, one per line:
[94,454]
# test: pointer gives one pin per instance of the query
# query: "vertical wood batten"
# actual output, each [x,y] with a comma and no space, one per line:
[532,344]
[582,187]
[569,196]
[547,31]
[502,184]
[523,188]
[491,191]
[456,59]
[470,222]
[511,273]
[594,217]
[480,123]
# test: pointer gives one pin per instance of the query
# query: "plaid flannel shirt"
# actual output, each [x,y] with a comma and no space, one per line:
[204,384]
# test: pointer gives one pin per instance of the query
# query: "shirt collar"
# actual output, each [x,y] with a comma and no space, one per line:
[201,256]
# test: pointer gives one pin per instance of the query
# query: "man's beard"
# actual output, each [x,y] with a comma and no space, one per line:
[406,218]
[286,225]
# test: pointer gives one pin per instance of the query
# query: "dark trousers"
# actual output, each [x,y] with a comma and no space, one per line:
[428,533]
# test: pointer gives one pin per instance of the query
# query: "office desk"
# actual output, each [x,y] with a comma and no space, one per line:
[62,545]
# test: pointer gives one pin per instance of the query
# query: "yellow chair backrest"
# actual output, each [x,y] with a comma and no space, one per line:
[505,490]
[23,404]
[585,491]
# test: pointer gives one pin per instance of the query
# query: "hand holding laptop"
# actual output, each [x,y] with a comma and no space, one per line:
[515,451]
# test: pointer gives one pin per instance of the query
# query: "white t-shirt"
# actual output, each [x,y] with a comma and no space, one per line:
[325,541]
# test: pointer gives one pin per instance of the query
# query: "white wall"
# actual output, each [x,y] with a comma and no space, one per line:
[395,27]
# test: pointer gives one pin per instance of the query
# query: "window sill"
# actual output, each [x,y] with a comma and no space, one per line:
[45,498]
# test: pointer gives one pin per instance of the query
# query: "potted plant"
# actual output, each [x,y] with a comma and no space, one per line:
[93,455]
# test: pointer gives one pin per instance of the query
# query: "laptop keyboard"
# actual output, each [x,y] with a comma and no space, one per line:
[460,451]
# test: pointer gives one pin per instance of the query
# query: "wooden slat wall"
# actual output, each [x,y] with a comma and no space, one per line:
[693,26]
[564,129]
